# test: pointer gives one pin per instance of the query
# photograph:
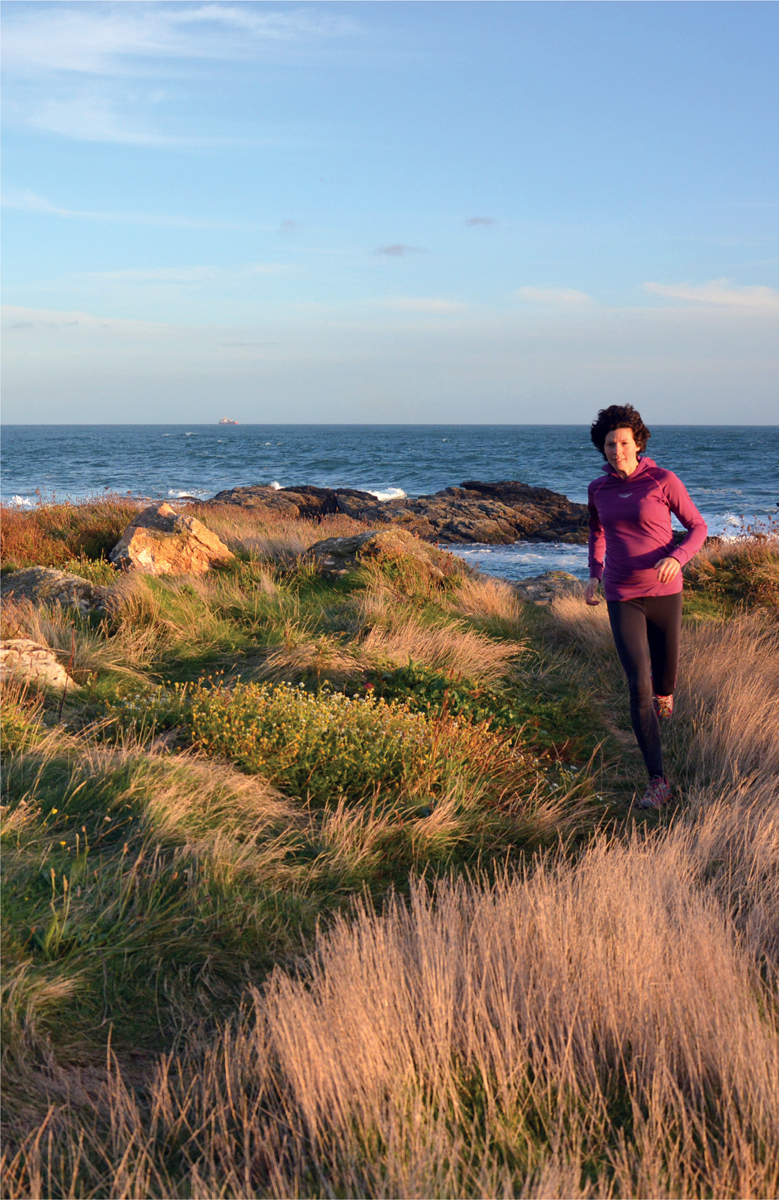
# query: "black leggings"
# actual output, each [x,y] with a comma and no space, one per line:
[647,632]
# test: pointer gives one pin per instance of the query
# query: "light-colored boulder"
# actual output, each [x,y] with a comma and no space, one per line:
[161,541]
[36,664]
[543,589]
[339,555]
[46,585]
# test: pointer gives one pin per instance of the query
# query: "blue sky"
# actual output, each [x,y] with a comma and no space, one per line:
[497,212]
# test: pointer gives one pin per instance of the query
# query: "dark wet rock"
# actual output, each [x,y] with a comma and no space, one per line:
[495,513]
[46,585]
[543,589]
[301,501]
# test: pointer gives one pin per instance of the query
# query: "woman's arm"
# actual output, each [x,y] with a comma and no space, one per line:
[597,541]
[683,508]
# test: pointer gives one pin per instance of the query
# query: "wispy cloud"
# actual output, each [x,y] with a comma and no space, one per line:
[424,304]
[101,39]
[115,72]
[399,249]
[187,275]
[480,221]
[567,296]
[30,202]
[721,292]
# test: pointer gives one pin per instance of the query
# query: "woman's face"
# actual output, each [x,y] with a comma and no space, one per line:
[621,451]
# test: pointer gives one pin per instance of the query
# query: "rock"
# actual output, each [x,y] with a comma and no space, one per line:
[496,513]
[45,585]
[338,555]
[162,542]
[36,664]
[301,501]
[543,589]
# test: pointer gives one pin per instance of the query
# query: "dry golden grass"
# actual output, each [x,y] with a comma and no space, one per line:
[595,1025]
[588,625]
[491,604]
[79,646]
[729,697]
[270,536]
[453,648]
[591,1029]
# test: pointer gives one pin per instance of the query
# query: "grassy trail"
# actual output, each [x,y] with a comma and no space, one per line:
[327,888]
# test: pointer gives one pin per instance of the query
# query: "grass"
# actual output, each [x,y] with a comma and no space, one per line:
[331,888]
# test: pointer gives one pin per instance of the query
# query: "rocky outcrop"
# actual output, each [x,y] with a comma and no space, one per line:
[338,555]
[543,589]
[495,513]
[160,541]
[302,501]
[33,663]
[45,585]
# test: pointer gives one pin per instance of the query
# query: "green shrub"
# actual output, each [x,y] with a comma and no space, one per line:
[144,710]
[20,718]
[424,689]
[97,570]
[745,571]
[321,746]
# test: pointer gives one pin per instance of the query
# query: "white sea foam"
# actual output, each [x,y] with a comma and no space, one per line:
[22,502]
[276,485]
[189,492]
[393,493]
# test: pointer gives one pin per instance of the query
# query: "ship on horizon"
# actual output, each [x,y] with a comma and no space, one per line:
[227,421]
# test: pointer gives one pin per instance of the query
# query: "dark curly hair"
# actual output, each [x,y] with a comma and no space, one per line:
[619,416]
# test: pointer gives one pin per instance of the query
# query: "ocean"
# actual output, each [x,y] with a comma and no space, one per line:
[731,472]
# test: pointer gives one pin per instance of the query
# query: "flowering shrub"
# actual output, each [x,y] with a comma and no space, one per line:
[144,710]
[320,745]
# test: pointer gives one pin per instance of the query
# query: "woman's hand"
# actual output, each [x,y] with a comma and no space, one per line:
[591,590]
[667,569]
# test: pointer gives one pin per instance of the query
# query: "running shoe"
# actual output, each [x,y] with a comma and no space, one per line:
[663,706]
[656,795]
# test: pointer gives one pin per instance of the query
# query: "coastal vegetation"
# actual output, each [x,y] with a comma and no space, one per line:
[330,886]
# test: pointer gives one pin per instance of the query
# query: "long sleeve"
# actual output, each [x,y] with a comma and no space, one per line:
[597,542]
[683,508]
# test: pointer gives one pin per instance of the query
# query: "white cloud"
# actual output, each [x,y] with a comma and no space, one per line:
[187,275]
[722,292]
[554,295]
[30,202]
[112,72]
[106,38]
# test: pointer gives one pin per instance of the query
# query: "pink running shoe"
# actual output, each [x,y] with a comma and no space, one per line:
[663,706]
[656,795]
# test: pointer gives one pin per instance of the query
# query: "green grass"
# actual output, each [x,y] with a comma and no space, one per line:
[247,759]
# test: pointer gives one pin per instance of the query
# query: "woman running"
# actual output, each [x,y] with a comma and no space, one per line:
[630,519]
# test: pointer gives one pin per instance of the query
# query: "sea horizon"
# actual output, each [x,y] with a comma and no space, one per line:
[729,470]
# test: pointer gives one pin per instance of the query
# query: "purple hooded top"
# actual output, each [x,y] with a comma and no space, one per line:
[630,522]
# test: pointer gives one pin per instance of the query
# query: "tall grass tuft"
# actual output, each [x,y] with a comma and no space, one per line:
[52,535]
[590,1028]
